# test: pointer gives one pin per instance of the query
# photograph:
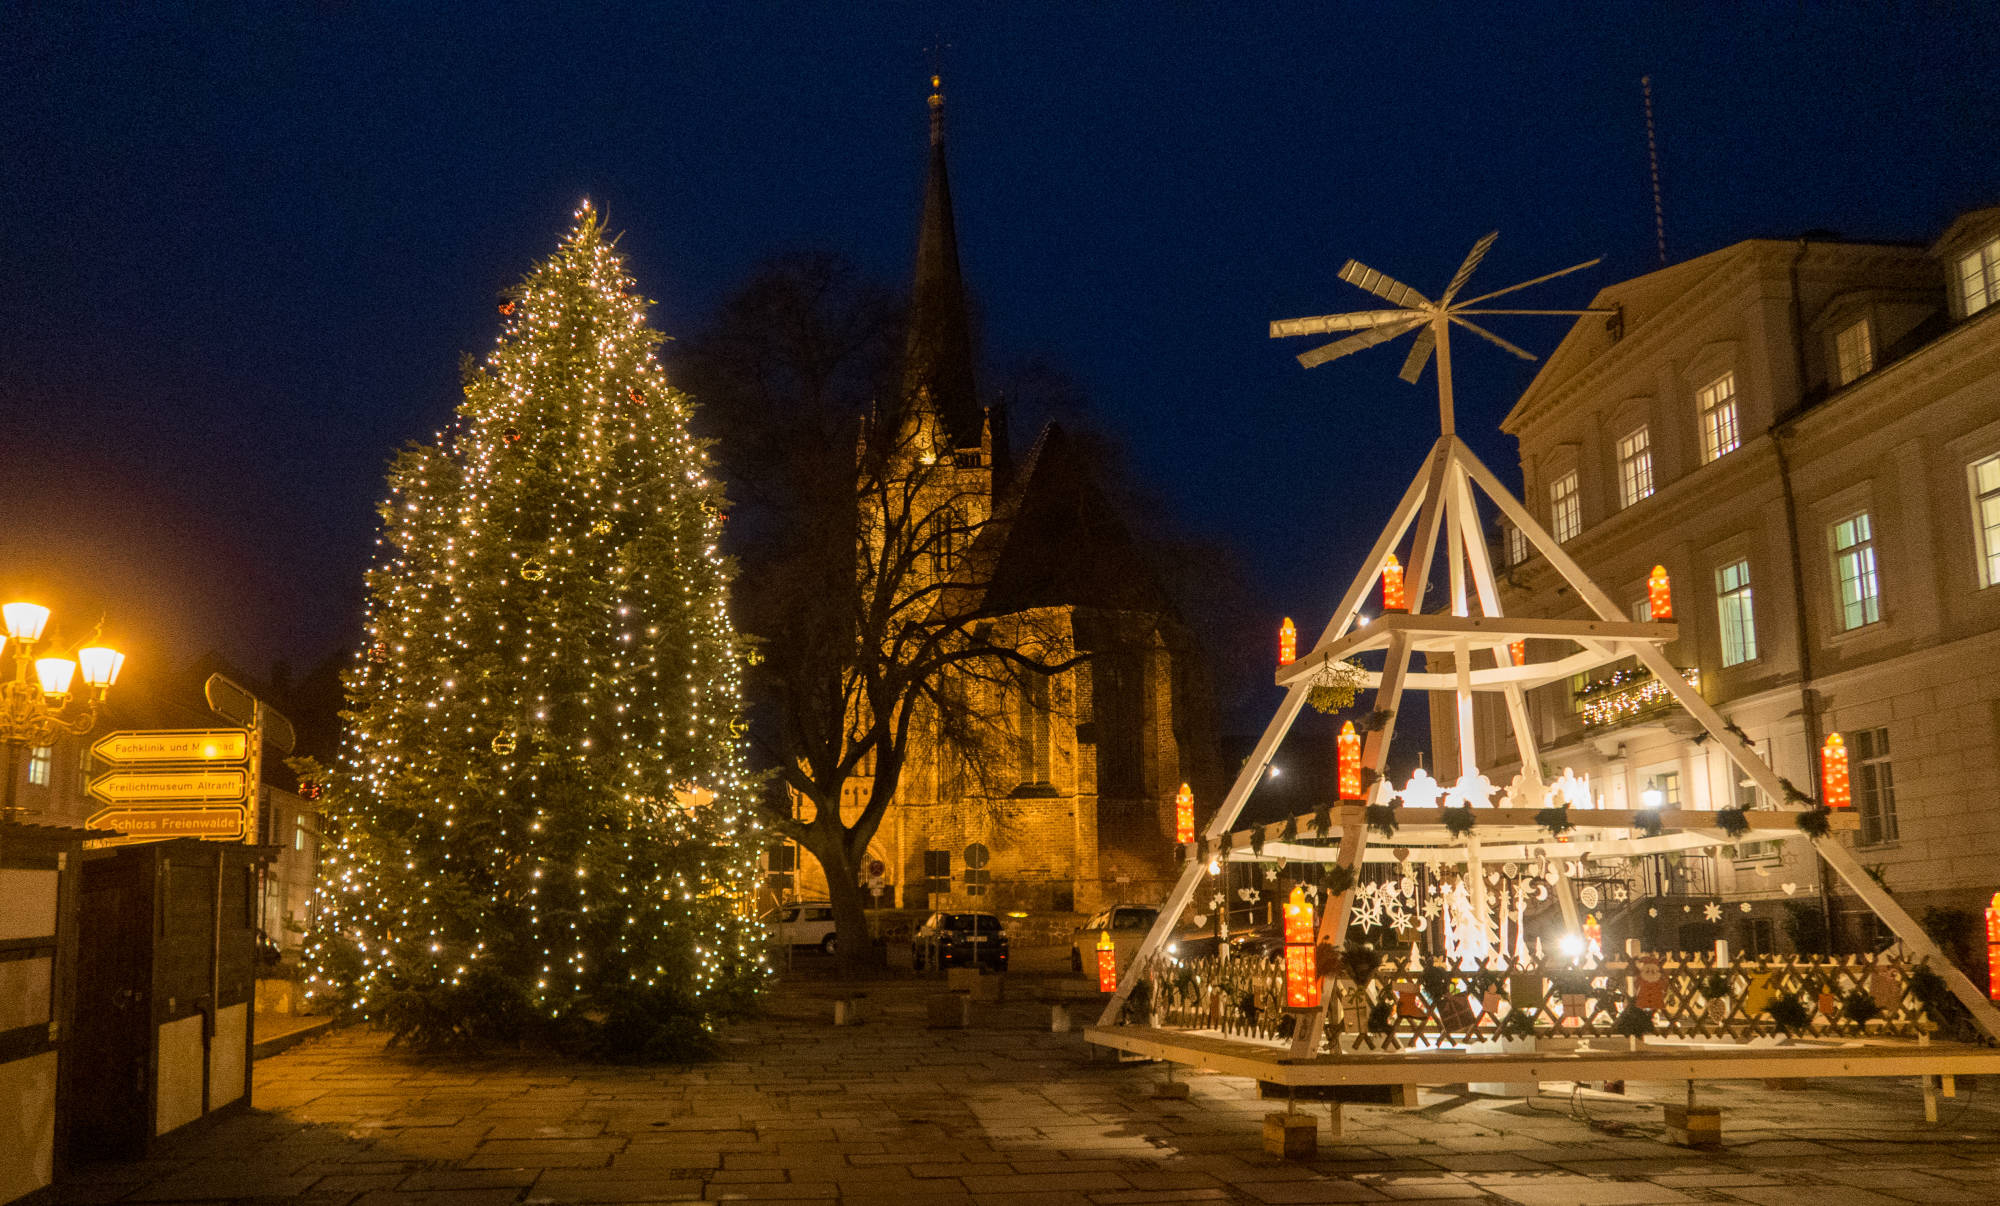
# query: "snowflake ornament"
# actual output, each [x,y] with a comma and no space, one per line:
[1712,911]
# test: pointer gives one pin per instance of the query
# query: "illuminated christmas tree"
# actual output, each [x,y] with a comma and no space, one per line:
[539,818]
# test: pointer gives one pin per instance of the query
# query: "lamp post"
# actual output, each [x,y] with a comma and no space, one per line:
[38,702]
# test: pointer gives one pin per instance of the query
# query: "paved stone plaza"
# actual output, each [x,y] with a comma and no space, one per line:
[891,1112]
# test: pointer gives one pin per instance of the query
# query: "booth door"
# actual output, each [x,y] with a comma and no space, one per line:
[111,1049]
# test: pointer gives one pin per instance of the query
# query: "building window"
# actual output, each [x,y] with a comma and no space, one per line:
[937,871]
[1854,565]
[1747,795]
[1874,785]
[1717,401]
[41,760]
[1635,467]
[1979,278]
[1760,937]
[1986,517]
[1642,611]
[1733,608]
[1565,509]
[1517,540]
[977,875]
[1853,352]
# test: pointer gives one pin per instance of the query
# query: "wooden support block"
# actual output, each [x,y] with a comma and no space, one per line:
[1949,1084]
[1291,1136]
[1335,1124]
[1930,1098]
[1401,1096]
[1695,1126]
[846,1012]
[1059,1019]
[949,1011]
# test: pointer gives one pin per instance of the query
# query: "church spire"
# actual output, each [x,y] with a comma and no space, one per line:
[937,360]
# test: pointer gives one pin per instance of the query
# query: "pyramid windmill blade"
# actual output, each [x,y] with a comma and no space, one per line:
[1354,321]
[1354,343]
[1420,354]
[1473,301]
[1476,329]
[1464,272]
[1356,273]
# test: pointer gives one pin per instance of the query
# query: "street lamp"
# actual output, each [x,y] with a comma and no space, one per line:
[38,702]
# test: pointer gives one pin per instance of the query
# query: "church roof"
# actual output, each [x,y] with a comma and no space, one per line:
[937,359]
[1056,540]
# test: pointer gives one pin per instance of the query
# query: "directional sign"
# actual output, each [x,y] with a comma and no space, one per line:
[174,745]
[155,824]
[171,786]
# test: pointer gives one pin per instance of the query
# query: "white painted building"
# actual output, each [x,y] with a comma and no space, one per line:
[1806,434]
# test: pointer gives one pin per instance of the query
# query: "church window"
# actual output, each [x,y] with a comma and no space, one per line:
[1118,704]
[1031,730]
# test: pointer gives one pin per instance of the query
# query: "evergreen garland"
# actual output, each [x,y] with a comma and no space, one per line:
[1814,822]
[1732,822]
[1381,819]
[1555,820]
[1647,822]
[1459,821]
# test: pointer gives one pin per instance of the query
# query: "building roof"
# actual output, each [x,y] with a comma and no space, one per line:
[937,359]
[1055,540]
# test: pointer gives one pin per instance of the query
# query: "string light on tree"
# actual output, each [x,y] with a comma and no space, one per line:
[548,677]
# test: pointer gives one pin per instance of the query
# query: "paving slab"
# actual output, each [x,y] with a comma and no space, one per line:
[890,1112]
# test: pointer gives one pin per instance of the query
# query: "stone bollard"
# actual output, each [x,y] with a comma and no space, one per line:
[1059,1019]
[949,1011]
[1291,1136]
[1695,1126]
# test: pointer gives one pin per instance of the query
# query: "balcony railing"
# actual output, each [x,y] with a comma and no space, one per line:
[1628,695]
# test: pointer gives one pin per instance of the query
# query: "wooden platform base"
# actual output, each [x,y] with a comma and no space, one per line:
[1657,1061]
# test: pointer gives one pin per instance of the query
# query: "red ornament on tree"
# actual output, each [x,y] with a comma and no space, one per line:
[506,307]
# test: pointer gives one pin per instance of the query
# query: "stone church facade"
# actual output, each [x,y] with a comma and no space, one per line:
[1070,803]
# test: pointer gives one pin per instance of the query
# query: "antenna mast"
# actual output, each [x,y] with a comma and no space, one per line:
[1653,154]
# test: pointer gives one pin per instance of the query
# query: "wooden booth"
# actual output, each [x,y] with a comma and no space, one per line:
[165,982]
[38,943]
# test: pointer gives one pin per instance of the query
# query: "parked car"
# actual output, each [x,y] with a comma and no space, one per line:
[1262,940]
[1128,926]
[959,940]
[807,923]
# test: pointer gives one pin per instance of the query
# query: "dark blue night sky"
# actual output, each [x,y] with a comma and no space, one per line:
[240,256]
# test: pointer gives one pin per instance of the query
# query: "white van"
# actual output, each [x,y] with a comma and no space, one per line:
[808,923]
